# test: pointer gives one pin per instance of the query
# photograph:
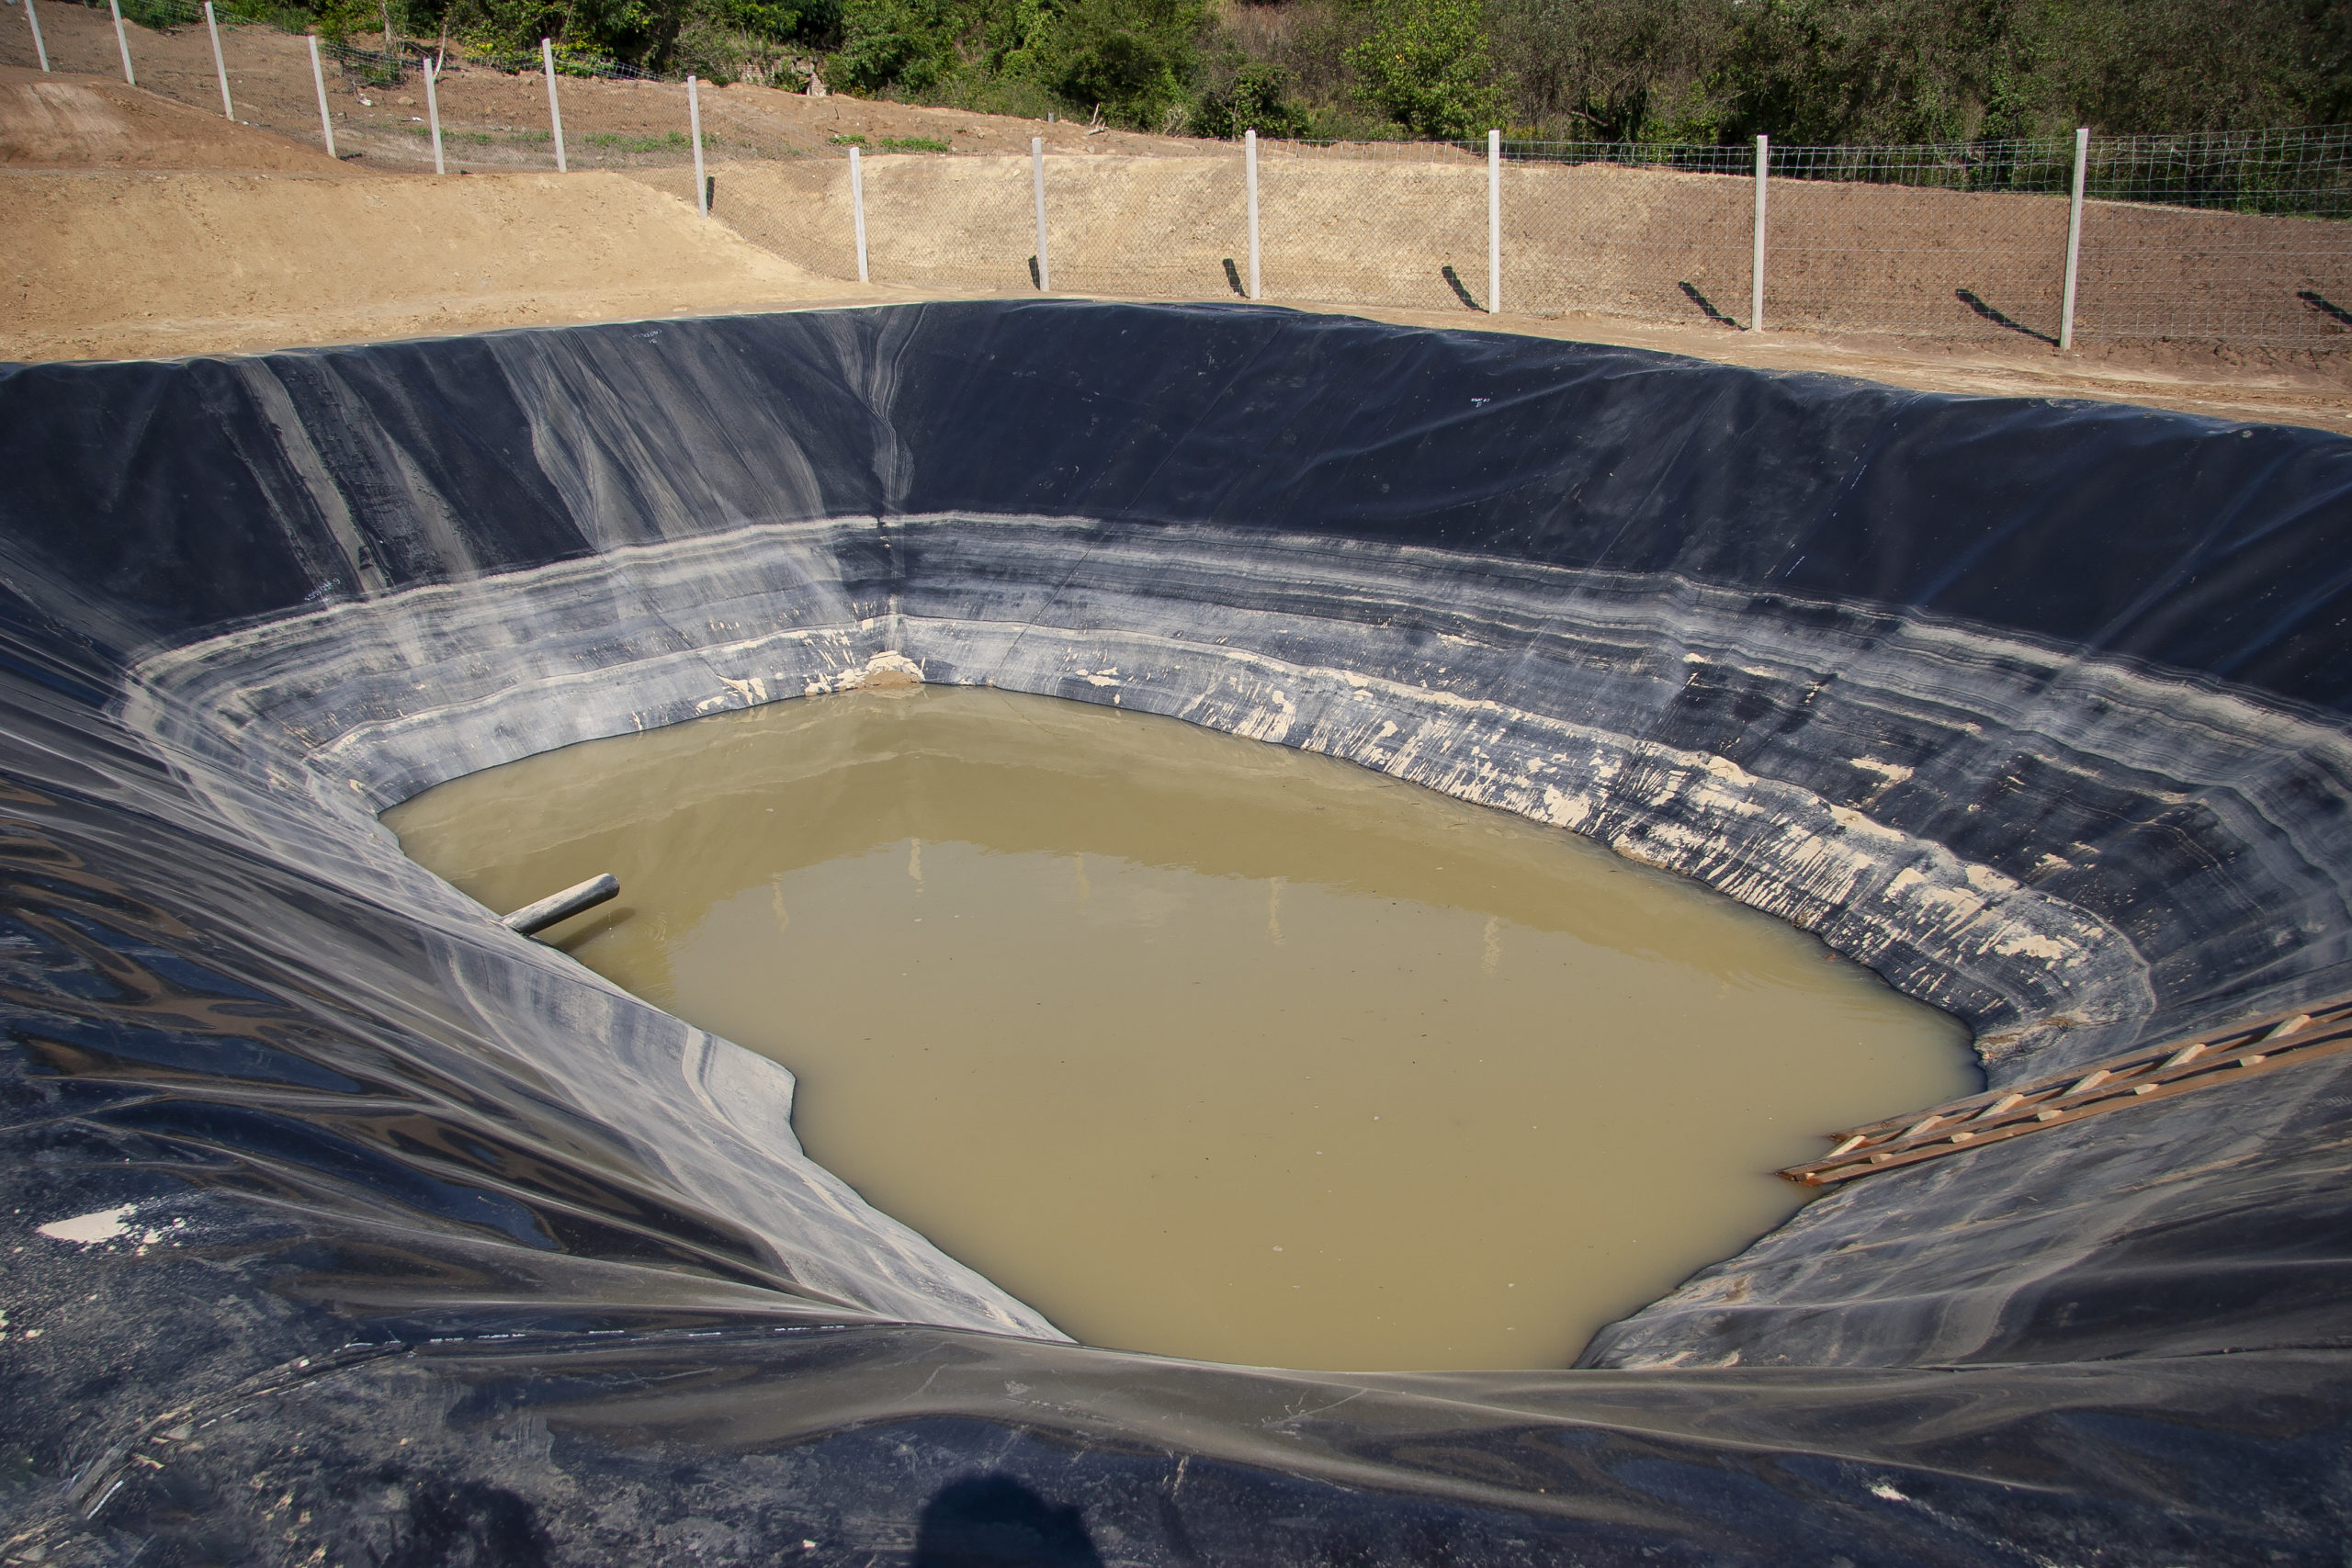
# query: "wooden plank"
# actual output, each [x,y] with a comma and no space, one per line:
[2214,1058]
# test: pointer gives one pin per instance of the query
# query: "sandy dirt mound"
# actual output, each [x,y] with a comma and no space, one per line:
[88,123]
[154,264]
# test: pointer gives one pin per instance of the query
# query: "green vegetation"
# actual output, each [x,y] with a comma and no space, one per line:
[667,142]
[1709,71]
[1427,65]
[487,138]
[1849,72]
[1258,97]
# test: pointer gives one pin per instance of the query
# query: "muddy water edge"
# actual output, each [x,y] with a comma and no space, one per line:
[1204,1046]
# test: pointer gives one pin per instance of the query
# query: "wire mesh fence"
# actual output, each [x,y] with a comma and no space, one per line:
[2230,238]
[2234,236]
[1972,238]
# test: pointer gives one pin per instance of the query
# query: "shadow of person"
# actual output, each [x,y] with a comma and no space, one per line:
[993,1521]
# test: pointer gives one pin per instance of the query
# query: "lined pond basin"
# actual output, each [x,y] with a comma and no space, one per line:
[1204,1046]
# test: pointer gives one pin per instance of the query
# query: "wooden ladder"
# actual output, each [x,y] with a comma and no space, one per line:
[2207,1060]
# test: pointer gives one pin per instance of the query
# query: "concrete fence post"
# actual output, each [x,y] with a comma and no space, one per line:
[40,49]
[1494,221]
[1038,175]
[2074,239]
[1756,276]
[555,110]
[319,80]
[694,129]
[122,42]
[857,212]
[432,112]
[1249,179]
[220,64]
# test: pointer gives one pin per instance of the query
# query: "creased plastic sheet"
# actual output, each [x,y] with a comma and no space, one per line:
[350,1227]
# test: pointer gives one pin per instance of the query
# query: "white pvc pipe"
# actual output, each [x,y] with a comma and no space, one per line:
[1249,164]
[1494,221]
[559,907]
[39,47]
[555,111]
[122,39]
[694,127]
[433,113]
[1037,173]
[1756,277]
[319,80]
[857,212]
[2074,239]
[219,67]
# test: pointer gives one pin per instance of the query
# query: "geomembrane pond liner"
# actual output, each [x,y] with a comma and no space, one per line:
[354,1227]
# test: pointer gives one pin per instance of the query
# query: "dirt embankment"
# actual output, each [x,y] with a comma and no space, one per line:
[166,253]
[152,265]
[1596,252]
[146,224]
[61,122]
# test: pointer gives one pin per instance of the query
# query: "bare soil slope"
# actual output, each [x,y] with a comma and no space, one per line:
[64,121]
[149,265]
[273,245]
[1594,253]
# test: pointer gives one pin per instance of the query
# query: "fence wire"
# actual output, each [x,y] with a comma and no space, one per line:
[2228,238]
[2232,237]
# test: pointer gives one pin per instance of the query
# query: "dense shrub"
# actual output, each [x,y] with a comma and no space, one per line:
[1257,97]
[1428,67]
[1804,71]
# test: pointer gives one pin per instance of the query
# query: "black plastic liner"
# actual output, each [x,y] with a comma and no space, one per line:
[354,1228]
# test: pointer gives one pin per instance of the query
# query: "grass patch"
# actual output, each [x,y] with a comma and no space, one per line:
[667,142]
[485,138]
[898,143]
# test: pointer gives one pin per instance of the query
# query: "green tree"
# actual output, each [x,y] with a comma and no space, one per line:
[1428,67]
[1863,70]
[904,44]
[1612,69]
[1258,98]
[2170,65]
[1804,71]
[1137,61]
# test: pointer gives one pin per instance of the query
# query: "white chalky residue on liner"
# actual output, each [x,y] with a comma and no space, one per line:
[104,1224]
[1893,772]
[2028,944]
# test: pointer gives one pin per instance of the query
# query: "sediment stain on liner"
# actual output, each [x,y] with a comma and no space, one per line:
[1203,1047]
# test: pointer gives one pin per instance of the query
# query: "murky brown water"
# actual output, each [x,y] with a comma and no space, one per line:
[1204,1046]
